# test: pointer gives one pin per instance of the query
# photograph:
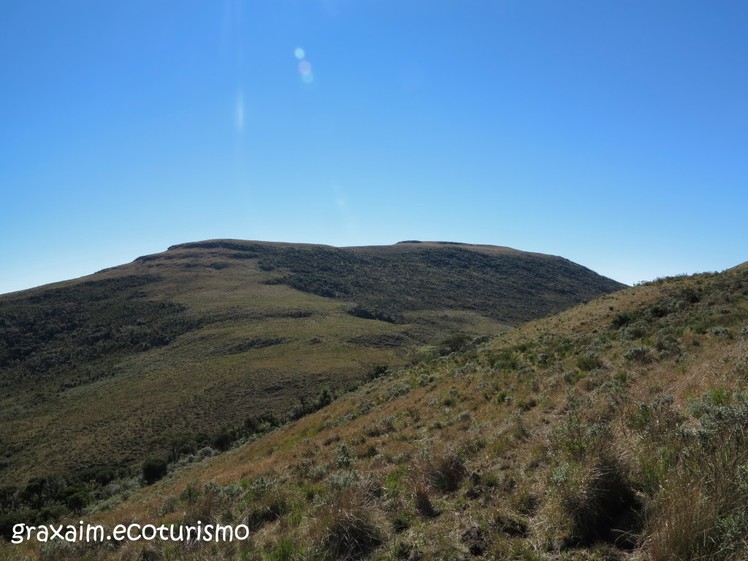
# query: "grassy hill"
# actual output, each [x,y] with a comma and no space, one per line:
[614,430]
[210,342]
[501,283]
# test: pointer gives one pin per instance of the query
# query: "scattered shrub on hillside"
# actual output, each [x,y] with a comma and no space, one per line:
[593,499]
[345,530]
[635,331]
[638,354]
[443,470]
[423,503]
[511,525]
[375,371]
[596,500]
[190,494]
[401,522]
[700,509]
[503,397]
[266,508]
[503,360]
[342,479]
[527,404]
[397,390]
[455,343]
[224,439]
[622,319]
[153,470]
[344,456]
[368,313]
[588,362]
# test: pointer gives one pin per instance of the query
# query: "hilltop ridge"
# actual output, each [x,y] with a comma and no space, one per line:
[505,284]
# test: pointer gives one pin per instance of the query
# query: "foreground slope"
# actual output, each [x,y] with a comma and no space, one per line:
[614,430]
[207,341]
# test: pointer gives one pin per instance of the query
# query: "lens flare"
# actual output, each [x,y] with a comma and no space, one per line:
[305,69]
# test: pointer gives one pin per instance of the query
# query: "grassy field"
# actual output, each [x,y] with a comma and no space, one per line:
[180,349]
[614,430]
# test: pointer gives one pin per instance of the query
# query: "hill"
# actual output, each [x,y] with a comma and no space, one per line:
[504,284]
[612,431]
[212,341]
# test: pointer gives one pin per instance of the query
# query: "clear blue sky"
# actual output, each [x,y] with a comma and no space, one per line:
[611,132]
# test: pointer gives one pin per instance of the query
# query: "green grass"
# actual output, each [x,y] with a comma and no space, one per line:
[604,466]
[110,369]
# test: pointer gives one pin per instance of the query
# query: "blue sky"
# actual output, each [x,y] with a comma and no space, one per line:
[613,133]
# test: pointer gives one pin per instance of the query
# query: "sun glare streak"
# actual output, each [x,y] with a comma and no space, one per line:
[239,112]
[346,215]
[232,41]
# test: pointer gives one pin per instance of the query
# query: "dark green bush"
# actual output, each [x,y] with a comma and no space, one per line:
[588,362]
[454,343]
[153,470]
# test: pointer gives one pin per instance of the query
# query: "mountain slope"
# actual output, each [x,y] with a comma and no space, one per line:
[504,284]
[614,430]
[204,342]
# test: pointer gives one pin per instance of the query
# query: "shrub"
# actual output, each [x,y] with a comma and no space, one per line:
[423,503]
[638,354]
[77,501]
[526,405]
[588,362]
[344,457]
[596,500]
[444,471]
[503,360]
[511,525]
[454,343]
[342,479]
[376,371]
[503,397]
[153,470]
[367,313]
[345,530]
[267,509]
[621,320]
[223,440]
[699,511]
[400,522]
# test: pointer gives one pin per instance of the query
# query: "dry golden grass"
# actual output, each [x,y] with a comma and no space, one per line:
[537,450]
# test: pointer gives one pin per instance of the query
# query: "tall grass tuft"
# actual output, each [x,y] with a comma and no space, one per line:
[345,530]
[701,511]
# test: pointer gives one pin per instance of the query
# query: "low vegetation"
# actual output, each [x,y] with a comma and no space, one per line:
[178,350]
[612,431]
[504,284]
